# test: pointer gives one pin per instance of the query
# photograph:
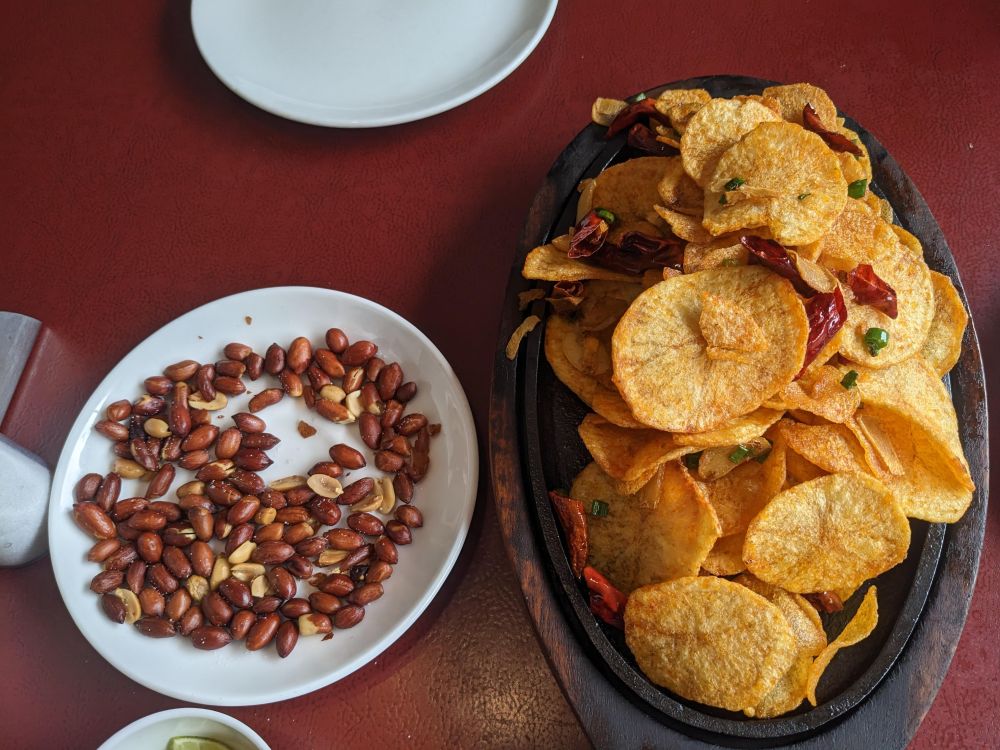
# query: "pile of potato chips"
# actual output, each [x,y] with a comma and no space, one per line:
[732,479]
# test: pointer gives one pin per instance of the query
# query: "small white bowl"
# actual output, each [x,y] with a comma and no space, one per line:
[153,732]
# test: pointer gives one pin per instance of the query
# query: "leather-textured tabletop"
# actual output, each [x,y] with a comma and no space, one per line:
[135,187]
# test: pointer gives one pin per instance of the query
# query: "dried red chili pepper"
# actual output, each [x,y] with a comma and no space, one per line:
[827,314]
[573,519]
[632,114]
[770,254]
[825,601]
[588,236]
[870,289]
[643,139]
[835,141]
[606,601]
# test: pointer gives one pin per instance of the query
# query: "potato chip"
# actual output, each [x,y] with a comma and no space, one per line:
[585,203]
[714,463]
[686,227]
[564,346]
[735,431]
[634,545]
[831,447]
[859,628]
[802,617]
[800,470]
[793,97]
[859,236]
[604,111]
[737,497]
[943,345]
[828,533]
[910,242]
[680,105]
[880,207]
[677,190]
[819,391]
[726,557]
[709,640]
[807,628]
[792,185]
[526,327]
[661,359]
[629,189]
[604,303]
[717,253]
[626,454]
[713,129]
[548,263]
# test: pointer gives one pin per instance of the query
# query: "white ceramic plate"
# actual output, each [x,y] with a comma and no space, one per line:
[350,64]
[233,676]
[153,732]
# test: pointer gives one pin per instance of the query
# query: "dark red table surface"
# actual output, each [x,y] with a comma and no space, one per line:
[135,187]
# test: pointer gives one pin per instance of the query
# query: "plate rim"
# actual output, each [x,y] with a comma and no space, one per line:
[87,411]
[525,544]
[335,120]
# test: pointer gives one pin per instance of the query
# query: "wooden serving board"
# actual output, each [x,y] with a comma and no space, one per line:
[874,694]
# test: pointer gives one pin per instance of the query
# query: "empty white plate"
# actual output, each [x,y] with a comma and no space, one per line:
[350,64]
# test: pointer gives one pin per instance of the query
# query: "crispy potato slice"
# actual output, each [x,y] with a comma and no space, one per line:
[717,253]
[943,345]
[714,128]
[661,360]
[793,97]
[819,391]
[565,343]
[604,303]
[678,191]
[709,640]
[792,185]
[627,454]
[549,263]
[635,545]
[686,227]
[737,497]
[910,242]
[726,557]
[831,447]
[733,432]
[859,628]
[800,470]
[629,189]
[860,236]
[828,533]
[680,105]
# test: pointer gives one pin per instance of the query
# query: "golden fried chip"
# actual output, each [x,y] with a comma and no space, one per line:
[627,454]
[709,640]
[661,362]
[881,207]
[548,263]
[526,327]
[726,557]
[735,431]
[828,533]
[681,104]
[686,227]
[802,617]
[677,190]
[714,463]
[629,189]
[714,128]
[910,242]
[737,497]
[634,545]
[604,111]
[793,97]
[831,447]
[584,371]
[819,391]
[799,470]
[943,346]
[859,628]
[792,185]
[860,236]
[717,253]
[604,303]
